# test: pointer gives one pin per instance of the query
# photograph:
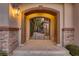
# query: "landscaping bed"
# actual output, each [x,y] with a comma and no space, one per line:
[73,49]
[3,53]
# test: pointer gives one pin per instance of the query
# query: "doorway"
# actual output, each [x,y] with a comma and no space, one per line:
[40,28]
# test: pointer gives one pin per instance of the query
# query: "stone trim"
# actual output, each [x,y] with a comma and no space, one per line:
[42,9]
[68,29]
[5,28]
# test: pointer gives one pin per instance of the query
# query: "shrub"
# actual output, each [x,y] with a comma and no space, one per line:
[73,49]
[3,53]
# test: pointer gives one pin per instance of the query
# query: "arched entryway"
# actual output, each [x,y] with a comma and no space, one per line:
[41,11]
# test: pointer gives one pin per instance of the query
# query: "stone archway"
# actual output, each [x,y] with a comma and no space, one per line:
[42,9]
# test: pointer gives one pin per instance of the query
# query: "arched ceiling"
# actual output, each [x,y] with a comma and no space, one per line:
[46,15]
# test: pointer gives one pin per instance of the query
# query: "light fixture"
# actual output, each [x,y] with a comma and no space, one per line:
[17,11]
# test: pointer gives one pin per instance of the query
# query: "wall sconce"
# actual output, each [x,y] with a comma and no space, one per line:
[18,11]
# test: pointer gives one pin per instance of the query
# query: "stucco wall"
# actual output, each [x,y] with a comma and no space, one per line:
[13,22]
[68,15]
[76,23]
[4,14]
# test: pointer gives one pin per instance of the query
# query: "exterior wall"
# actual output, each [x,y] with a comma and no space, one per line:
[68,16]
[76,23]
[68,32]
[8,38]
[4,35]
[4,14]
[13,22]
[13,35]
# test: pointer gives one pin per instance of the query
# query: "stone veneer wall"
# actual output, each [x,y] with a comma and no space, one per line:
[4,36]
[68,36]
[13,40]
[8,40]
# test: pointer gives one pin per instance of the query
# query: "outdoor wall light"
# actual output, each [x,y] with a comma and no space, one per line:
[17,11]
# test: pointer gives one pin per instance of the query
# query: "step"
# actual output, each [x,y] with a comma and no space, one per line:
[40,53]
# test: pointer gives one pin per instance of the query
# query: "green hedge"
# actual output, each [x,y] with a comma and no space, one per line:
[73,49]
[3,53]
